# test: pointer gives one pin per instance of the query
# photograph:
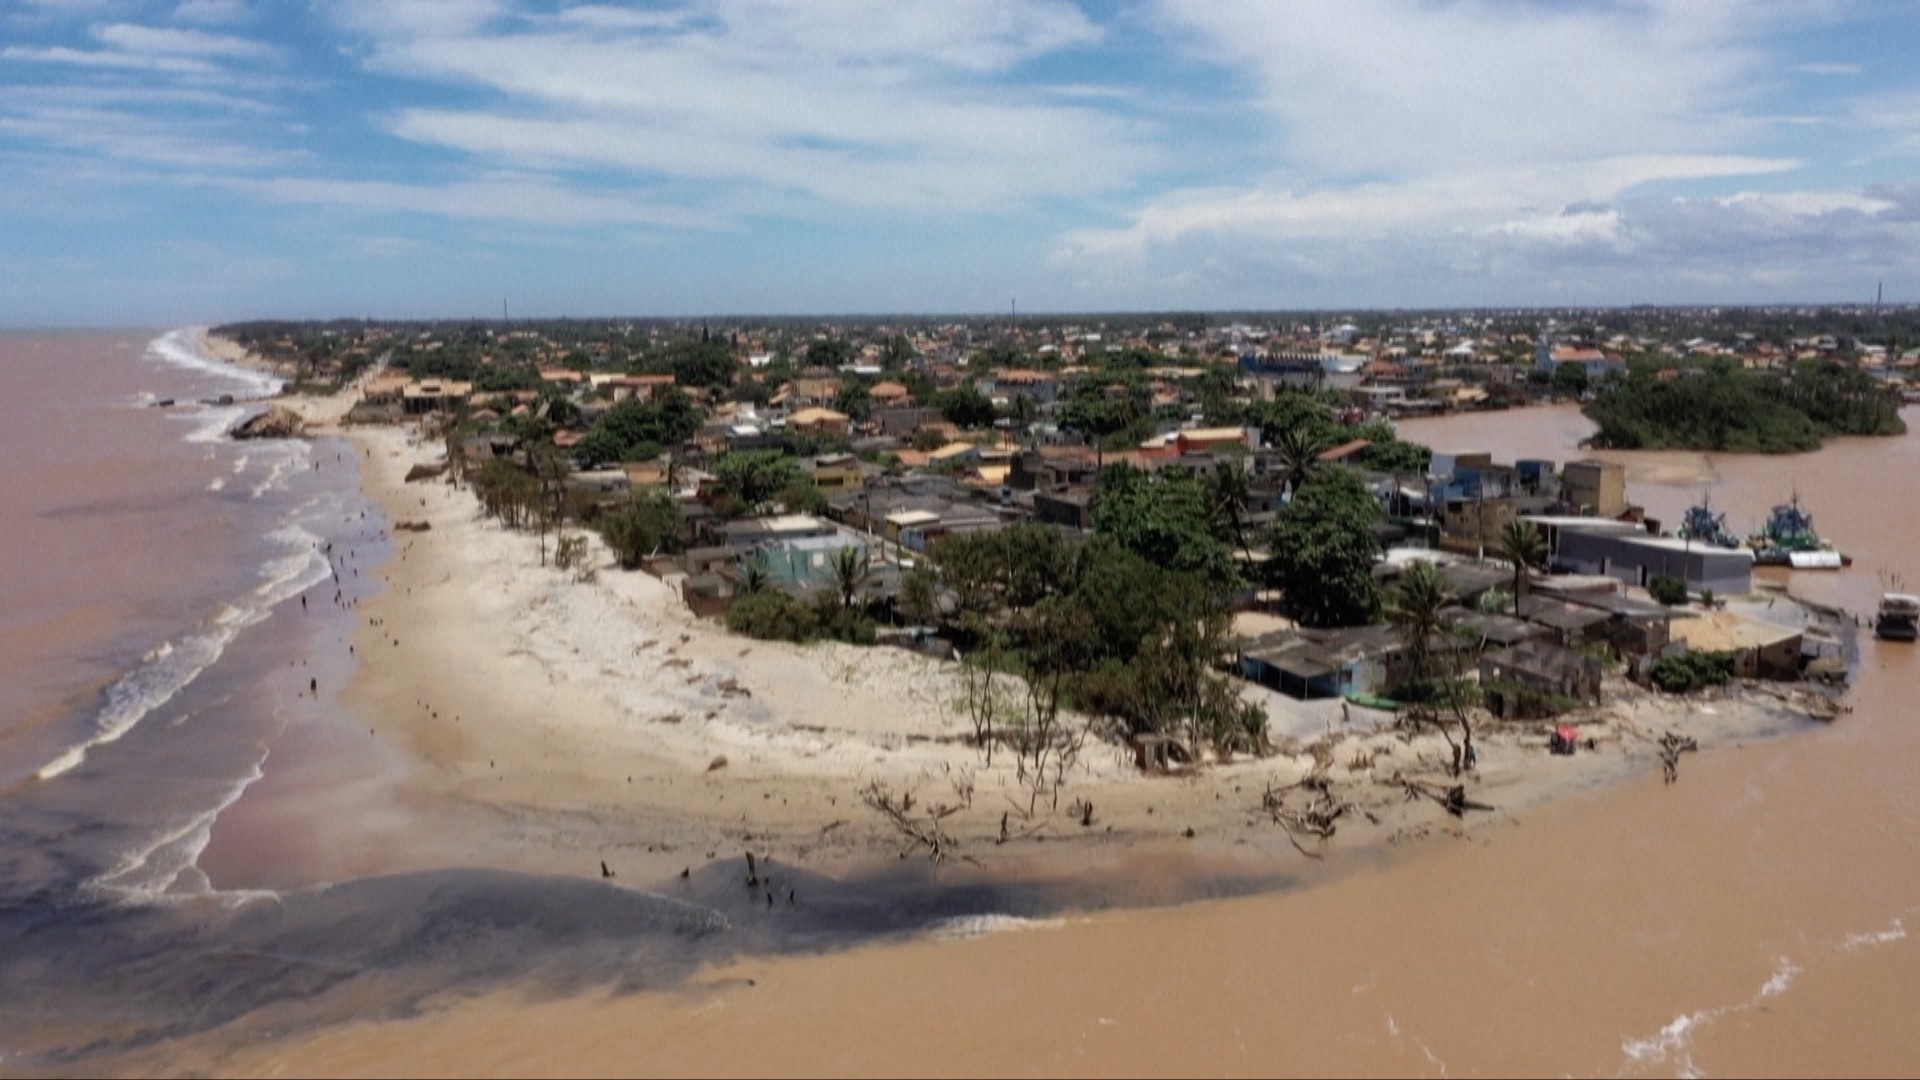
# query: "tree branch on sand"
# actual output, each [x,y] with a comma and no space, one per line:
[1316,819]
[922,831]
[1453,798]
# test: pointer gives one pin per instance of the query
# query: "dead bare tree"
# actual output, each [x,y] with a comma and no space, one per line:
[1453,799]
[922,831]
[1671,747]
[1317,818]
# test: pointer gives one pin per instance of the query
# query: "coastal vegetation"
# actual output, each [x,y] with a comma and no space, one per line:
[1721,407]
[1323,545]
[1099,625]
[1692,670]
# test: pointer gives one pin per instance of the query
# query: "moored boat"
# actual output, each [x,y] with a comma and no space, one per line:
[1899,617]
[1788,539]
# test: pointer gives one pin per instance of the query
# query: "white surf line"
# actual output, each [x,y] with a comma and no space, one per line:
[1674,1042]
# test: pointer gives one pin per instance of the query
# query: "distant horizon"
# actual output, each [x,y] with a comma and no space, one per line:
[973,316]
[232,159]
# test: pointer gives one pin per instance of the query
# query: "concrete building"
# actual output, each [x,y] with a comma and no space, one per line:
[1596,487]
[1637,558]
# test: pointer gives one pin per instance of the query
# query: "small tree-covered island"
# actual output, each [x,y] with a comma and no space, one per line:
[1720,406]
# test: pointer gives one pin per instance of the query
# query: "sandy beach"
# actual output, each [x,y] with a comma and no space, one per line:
[548,721]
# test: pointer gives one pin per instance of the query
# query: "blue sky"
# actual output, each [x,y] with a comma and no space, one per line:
[200,160]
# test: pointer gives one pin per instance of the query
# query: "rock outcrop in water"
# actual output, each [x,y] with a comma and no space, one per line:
[278,422]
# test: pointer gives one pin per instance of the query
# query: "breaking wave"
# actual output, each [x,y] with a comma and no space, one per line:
[178,348]
[1673,1044]
[165,670]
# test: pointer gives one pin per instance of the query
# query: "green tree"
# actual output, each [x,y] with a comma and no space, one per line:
[854,399]
[1299,450]
[831,352]
[1414,610]
[898,353]
[1166,520]
[1569,380]
[1668,590]
[772,616]
[965,407]
[919,596]
[754,477]
[850,569]
[1229,493]
[1390,455]
[1323,547]
[648,524]
[1522,545]
[699,363]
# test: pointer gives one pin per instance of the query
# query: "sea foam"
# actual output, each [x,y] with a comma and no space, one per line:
[176,347]
[165,670]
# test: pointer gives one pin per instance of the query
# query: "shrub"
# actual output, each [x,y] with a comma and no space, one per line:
[772,616]
[1692,670]
[1670,591]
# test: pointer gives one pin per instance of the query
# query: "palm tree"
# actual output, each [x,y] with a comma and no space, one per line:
[1299,451]
[1230,494]
[1522,545]
[753,580]
[849,571]
[1414,610]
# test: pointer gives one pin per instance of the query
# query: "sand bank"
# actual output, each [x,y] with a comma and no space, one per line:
[598,719]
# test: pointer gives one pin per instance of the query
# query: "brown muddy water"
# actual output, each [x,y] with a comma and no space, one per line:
[1751,919]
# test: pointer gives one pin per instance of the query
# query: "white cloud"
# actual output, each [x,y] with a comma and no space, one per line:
[1410,86]
[1827,69]
[60,54]
[165,41]
[1480,149]
[133,137]
[864,103]
[212,11]
[531,200]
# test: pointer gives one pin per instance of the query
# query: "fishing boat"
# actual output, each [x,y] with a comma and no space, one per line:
[1702,526]
[1899,617]
[1788,539]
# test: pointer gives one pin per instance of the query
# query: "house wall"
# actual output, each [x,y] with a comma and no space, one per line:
[1725,573]
[1600,485]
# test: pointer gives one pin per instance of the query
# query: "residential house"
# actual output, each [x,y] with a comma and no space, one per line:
[889,395]
[1327,663]
[901,422]
[834,472]
[1633,627]
[1761,649]
[954,455]
[1207,440]
[434,395]
[818,421]
[1538,668]
[805,564]
[1070,508]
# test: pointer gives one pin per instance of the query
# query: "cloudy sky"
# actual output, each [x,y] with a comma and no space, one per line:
[176,160]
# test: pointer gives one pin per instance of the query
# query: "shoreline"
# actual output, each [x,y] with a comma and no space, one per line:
[549,724]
